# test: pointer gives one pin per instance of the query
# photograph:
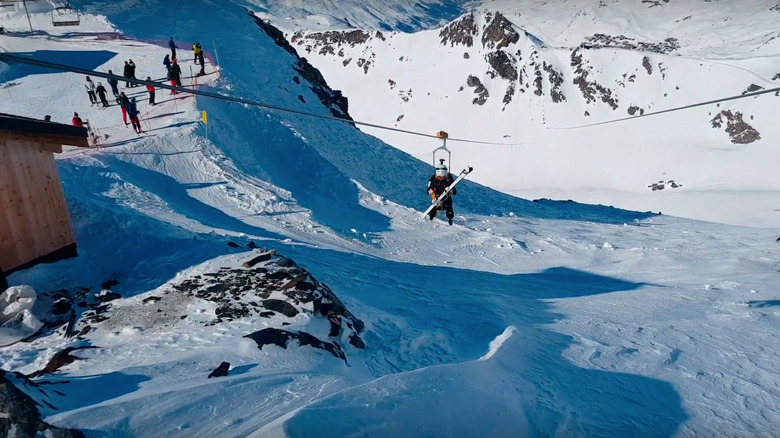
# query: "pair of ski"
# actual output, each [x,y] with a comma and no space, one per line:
[439,201]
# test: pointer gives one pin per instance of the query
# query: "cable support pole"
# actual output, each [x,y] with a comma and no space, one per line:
[45,64]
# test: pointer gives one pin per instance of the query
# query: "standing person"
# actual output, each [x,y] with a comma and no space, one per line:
[77,120]
[200,60]
[194,52]
[126,74]
[172,45]
[101,91]
[132,111]
[175,75]
[114,84]
[124,102]
[90,86]
[132,72]
[167,64]
[150,88]
[439,182]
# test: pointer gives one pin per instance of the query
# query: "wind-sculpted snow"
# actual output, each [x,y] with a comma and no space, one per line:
[526,388]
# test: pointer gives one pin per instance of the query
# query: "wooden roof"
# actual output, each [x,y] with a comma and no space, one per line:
[46,132]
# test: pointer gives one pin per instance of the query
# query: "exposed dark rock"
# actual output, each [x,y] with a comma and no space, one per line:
[601,40]
[556,81]
[274,336]
[151,299]
[591,90]
[466,55]
[646,64]
[660,185]
[777,75]
[297,80]
[739,131]
[21,417]
[503,64]
[281,306]
[333,38]
[460,31]
[332,99]
[59,360]
[480,90]
[233,245]
[510,91]
[499,32]
[301,98]
[633,109]
[106,295]
[285,262]
[752,88]
[221,370]
[109,284]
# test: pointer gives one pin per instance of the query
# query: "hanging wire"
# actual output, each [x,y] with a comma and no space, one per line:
[693,105]
[45,64]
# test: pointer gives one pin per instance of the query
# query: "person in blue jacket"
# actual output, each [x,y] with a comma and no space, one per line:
[132,112]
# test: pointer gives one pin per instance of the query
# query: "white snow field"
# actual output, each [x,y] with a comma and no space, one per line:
[545,318]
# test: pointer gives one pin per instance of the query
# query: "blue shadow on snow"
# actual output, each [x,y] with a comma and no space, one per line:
[467,310]
[89,60]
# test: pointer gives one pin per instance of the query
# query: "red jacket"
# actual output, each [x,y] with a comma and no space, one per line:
[77,121]
[150,88]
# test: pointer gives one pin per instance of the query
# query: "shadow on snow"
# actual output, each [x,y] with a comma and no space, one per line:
[89,60]
[449,317]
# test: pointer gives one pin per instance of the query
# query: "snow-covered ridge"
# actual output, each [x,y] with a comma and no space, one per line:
[490,76]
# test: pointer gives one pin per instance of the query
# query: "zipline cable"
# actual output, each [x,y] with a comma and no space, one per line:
[45,64]
[741,96]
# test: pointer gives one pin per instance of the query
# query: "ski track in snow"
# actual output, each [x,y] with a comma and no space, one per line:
[658,326]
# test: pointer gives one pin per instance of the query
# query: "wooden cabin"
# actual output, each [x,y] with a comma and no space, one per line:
[35,224]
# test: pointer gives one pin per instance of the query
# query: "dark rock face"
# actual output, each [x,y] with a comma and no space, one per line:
[499,32]
[556,80]
[280,306]
[738,130]
[752,88]
[503,64]
[633,109]
[646,64]
[479,90]
[221,370]
[591,90]
[461,31]
[273,336]
[332,99]
[20,412]
[601,40]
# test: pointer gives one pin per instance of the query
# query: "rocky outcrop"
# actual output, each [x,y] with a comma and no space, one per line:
[19,414]
[752,88]
[332,99]
[479,90]
[556,81]
[739,131]
[633,110]
[601,40]
[459,32]
[646,64]
[282,338]
[503,64]
[591,90]
[498,32]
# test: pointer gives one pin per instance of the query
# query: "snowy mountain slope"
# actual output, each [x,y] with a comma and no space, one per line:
[484,78]
[590,320]
[404,15]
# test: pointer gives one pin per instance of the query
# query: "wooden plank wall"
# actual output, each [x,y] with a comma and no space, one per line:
[34,219]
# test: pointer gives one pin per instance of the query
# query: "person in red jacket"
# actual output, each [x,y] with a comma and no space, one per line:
[77,120]
[150,88]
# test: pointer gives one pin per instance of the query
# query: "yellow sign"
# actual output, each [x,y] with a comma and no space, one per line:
[442,134]
[204,117]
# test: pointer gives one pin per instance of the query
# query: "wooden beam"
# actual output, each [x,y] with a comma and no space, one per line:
[49,139]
